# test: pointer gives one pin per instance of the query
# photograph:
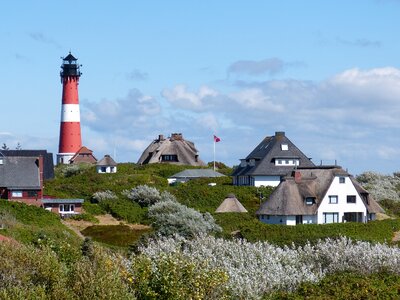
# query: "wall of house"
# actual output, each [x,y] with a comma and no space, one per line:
[342,190]
[287,220]
[106,169]
[266,180]
[55,208]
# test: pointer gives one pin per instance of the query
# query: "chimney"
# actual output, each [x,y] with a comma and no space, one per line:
[160,137]
[297,176]
[176,136]
[279,134]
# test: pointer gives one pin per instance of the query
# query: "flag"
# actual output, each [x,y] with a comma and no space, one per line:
[216,139]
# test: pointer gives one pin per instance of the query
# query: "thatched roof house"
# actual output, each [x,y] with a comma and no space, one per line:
[326,194]
[173,150]
[231,204]
[106,165]
[83,155]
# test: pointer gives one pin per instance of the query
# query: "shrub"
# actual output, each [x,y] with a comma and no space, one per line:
[104,195]
[381,186]
[256,269]
[174,276]
[144,195]
[84,217]
[171,217]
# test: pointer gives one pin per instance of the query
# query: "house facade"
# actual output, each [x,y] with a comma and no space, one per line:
[172,150]
[269,162]
[319,195]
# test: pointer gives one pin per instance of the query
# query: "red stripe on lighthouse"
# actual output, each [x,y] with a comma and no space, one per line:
[70,137]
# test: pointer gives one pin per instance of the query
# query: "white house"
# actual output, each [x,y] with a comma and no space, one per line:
[106,165]
[269,162]
[319,195]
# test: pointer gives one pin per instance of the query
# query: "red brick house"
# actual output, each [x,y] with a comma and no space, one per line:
[21,180]
[84,155]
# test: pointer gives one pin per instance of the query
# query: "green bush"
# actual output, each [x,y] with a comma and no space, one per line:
[171,217]
[174,276]
[127,210]
[343,286]
[84,217]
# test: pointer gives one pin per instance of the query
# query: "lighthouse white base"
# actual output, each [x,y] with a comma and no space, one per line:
[63,158]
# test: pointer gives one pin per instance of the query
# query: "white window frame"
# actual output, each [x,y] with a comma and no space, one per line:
[63,210]
[17,194]
[334,216]
[333,197]
[284,147]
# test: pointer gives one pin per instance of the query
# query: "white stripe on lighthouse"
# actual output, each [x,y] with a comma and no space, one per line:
[70,113]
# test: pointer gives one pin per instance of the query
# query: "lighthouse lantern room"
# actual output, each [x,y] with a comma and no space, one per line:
[70,127]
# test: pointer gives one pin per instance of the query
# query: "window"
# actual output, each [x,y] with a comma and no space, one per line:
[169,157]
[331,218]
[103,169]
[284,147]
[333,199]
[67,208]
[286,162]
[32,194]
[1,161]
[351,199]
[16,194]
[310,201]
[342,179]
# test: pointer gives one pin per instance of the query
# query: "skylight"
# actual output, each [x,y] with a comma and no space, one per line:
[284,147]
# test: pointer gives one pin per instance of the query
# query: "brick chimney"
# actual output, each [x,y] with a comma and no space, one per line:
[176,136]
[297,176]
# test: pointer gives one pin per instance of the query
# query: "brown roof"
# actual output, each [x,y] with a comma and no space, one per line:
[231,204]
[107,160]
[83,155]
[175,145]
[289,197]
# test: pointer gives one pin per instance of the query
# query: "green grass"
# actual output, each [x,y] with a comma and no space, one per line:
[34,225]
[343,286]
[253,230]
[114,235]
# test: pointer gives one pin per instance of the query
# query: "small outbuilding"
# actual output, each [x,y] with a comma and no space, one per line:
[106,165]
[231,204]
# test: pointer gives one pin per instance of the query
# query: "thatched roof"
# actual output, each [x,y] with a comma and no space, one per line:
[174,150]
[107,160]
[267,152]
[289,197]
[83,155]
[231,204]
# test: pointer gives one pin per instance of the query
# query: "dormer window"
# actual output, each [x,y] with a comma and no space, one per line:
[342,179]
[310,200]
[284,147]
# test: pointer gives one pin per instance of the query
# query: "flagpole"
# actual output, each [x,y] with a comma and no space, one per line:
[214,154]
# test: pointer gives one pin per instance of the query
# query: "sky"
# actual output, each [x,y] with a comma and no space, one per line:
[327,73]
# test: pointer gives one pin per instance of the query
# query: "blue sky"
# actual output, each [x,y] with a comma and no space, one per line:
[326,73]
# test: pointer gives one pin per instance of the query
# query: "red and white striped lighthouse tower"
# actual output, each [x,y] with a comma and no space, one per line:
[70,126]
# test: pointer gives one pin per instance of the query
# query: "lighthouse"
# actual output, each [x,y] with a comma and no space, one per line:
[70,126]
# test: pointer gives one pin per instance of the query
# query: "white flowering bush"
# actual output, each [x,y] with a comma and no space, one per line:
[255,269]
[381,186]
[104,195]
[171,217]
[144,195]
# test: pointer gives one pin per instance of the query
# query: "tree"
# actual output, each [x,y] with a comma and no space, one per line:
[18,147]
[4,147]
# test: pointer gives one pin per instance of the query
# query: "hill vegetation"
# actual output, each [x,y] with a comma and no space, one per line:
[205,260]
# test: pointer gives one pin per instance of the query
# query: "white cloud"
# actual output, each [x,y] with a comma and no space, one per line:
[256,99]
[181,98]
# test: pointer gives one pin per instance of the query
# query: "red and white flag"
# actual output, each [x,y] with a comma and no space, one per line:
[216,139]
